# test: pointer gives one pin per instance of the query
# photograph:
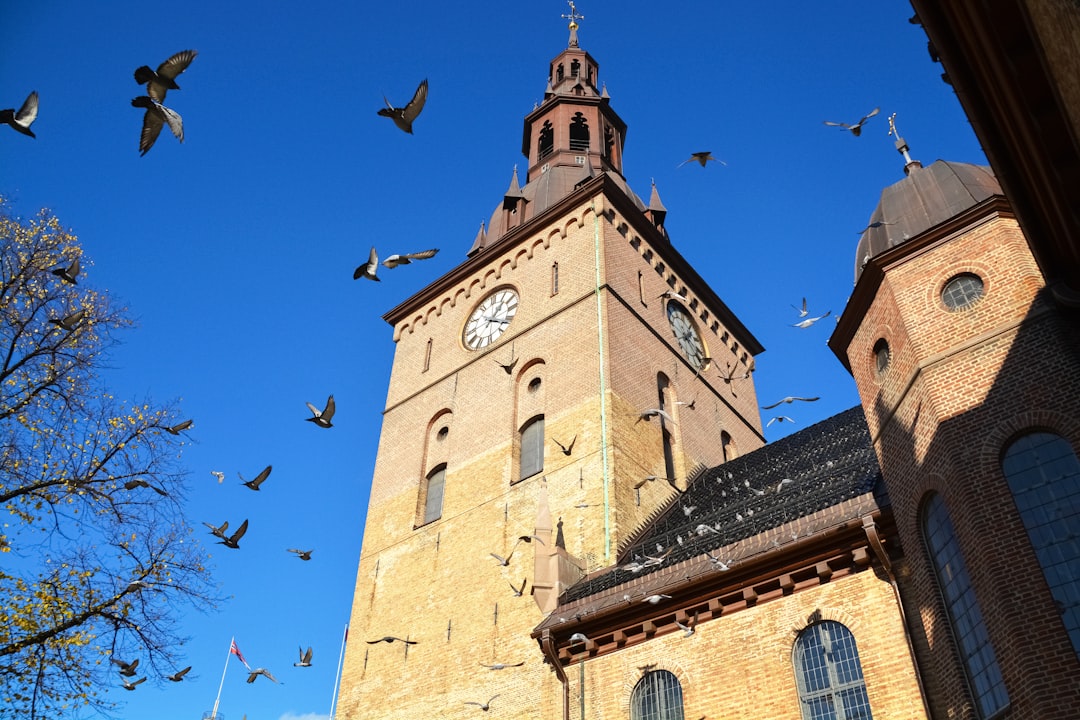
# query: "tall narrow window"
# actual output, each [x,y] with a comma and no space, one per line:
[829,675]
[427,355]
[657,696]
[546,141]
[579,132]
[433,494]
[727,446]
[555,278]
[575,68]
[662,389]
[981,663]
[532,448]
[1044,476]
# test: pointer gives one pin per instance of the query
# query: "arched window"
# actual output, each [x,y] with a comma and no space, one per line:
[657,696]
[829,675]
[575,68]
[968,627]
[579,132]
[1044,477]
[546,142]
[433,494]
[531,459]
[727,446]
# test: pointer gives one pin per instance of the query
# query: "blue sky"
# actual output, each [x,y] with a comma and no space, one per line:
[235,250]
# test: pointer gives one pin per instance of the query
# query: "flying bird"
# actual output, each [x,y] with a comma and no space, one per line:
[218,531]
[131,685]
[258,480]
[650,478]
[508,367]
[260,671]
[654,599]
[578,638]
[70,274]
[855,129]
[566,449]
[810,321]
[718,562]
[501,666]
[164,79]
[802,312]
[689,405]
[127,669]
[788,399]
[179,674]
[404,117]
[139,482]
[406,258]
[654,412]
[701,158]
[689,628]
[368,269]
[505,561]
[302,554]
[179,427]
[518,592]
[875,224]
[305,658]
[219,475]
[233,541]
[25,116]
[779,419]
[155,118]
[323,417]
[390,639]
[483,706]
[70,322]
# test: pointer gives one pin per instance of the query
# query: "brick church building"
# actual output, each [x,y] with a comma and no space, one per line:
[917,556]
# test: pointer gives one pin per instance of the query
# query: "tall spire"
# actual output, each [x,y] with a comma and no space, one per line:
[573,17]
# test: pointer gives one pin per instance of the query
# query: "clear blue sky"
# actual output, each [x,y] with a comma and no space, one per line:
[235,250]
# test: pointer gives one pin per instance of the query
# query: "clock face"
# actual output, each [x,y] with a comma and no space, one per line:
[687,335]
[491,318]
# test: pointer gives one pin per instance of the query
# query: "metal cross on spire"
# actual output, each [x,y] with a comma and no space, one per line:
[573,17]
[902,146]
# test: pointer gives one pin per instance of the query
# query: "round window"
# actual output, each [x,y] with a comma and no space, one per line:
[962,291]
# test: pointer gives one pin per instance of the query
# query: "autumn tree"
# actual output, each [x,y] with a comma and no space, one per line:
[95,554]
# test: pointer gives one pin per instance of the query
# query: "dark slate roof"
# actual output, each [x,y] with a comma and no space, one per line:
[927,197]
[827,463]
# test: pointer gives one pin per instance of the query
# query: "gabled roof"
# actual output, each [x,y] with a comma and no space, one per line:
[826,464]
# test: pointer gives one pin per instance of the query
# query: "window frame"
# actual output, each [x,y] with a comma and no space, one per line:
[843,676]
[663,688]
[531,447]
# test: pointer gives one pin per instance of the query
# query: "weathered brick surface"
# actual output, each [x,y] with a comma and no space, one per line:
[959,387]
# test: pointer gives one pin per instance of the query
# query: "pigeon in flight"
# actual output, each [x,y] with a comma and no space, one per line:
[578,638]
[406,258]
[305,658]
[219,475]
[508,367]
[501,666]
[654,599]
[650,478]
[218,531]
[70,322]
[483,706]
[260,671]
[855,129]
[788,399]
[368,269]
[802,312]
[810,321]
[26,115]
[160,82]
[155,118]
[518,592]
[873,225]
[689,628]
[404,117]
[505,561]
[322,418]
[259,479]
[654,412]
[139,482]
[127,669]
[131,685]
[702,158]
[566,449]
[179,674]
[302,554]
[233,541]
[390,639]
[70,274]
[180,427]
[779,419]
[718,562]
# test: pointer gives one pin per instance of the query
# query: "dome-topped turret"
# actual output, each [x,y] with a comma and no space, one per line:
[925,198]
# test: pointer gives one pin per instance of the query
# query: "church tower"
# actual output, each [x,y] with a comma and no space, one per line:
[967,370]
[547,396]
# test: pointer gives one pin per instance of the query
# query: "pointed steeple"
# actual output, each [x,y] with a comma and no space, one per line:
[656,210]
[480,242]
[513,194]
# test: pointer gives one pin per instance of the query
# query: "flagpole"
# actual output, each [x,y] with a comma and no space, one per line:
[337,677]
[217,700]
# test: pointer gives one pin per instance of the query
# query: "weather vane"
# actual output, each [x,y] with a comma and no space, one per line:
[901,145]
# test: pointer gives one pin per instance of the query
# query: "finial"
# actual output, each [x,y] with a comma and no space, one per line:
[573,17]
[902,147]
